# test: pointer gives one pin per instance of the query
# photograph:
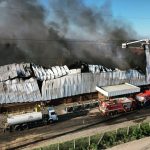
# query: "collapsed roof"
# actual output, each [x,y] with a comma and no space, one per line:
[20,81]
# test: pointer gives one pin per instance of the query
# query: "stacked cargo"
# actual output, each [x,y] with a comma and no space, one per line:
[98,69]
[74,71]
[51,73]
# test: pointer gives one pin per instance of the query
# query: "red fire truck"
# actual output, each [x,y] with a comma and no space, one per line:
[117,105]
[121,98]
[143,98]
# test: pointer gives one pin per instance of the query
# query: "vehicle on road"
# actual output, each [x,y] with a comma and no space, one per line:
[31,119]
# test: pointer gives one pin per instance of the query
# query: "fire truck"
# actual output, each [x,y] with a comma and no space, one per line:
[117,99]
[116,106]
[143,98]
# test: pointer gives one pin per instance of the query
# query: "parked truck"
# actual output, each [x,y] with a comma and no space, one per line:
[117,105]
[31,119]
[125,104]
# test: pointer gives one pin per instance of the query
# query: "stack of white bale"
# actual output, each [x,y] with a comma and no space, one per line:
[98,69]
[51,73]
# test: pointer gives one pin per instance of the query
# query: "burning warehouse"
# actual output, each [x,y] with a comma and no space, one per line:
[29,84]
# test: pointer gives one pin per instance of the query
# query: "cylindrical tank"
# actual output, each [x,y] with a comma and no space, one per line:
[24,118]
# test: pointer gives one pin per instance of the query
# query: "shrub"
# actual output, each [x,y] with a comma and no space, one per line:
[108,140]
[95,138]
[66,145]
[93,147]
[50,147]
[82,143]
[121,135]
[145,128]
[135,132]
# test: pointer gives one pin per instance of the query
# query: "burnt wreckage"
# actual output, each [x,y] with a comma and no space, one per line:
[20,82]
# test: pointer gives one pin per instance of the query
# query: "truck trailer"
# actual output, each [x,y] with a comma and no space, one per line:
[31,119]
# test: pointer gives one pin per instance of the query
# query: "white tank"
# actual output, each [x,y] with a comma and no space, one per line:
[24,118]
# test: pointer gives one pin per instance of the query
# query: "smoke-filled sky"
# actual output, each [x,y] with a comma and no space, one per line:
[137,13]
[64,31]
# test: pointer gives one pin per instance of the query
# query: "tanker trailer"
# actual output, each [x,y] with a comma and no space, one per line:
[30,120]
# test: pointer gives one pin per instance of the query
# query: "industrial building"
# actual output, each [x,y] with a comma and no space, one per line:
[25,85]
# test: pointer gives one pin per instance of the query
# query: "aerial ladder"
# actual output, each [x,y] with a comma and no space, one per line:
[145,44]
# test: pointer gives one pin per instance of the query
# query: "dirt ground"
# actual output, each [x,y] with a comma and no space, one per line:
[89,132]
[142,144]
[70,129]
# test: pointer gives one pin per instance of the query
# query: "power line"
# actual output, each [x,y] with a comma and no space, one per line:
[69,40]
[96,42]
[15,8]
[55,10]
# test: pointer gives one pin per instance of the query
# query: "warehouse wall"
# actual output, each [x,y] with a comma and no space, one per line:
[147,52]
[86,82]
[21,90]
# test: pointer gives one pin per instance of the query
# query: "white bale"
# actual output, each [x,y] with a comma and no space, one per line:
[51,73]
[63,71]
[59,71]
[55,72]
[66,69]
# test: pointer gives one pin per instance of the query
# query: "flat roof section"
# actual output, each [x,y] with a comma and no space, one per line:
[117,90]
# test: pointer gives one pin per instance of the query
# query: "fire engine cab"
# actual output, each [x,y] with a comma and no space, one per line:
[143,98]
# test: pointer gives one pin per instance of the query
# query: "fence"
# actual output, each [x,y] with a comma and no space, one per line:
[104,140]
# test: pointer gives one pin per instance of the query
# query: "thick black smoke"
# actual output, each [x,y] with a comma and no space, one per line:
[77,21]
[24,35]
[66,32]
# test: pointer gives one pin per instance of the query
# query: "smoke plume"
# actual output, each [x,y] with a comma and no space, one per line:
[68,31]
[24,36]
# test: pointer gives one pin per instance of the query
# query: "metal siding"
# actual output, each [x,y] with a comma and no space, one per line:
[20,91]
[147,52]
[68,85]
[86,82]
